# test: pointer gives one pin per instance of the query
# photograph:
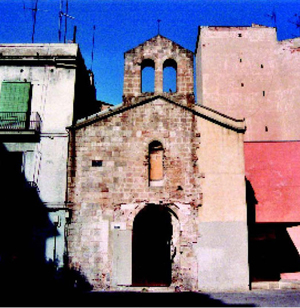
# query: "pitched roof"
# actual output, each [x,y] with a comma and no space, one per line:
[153,39]
[237,125]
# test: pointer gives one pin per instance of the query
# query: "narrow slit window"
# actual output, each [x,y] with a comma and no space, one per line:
[156,171]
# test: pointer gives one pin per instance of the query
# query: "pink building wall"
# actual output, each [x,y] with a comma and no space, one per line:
[273,170]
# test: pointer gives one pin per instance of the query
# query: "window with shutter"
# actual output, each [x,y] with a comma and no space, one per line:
[15,104]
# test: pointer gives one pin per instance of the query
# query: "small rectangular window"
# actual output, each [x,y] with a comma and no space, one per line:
[240,35]
[264,93]
[97,163]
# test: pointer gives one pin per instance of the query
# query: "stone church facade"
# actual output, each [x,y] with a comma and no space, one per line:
[156,186]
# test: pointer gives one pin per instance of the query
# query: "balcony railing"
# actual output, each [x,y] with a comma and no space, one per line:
[20,121]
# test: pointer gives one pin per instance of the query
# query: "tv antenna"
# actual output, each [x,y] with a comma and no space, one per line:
[273,17]
[297,22]
[66,16]
[93,47]
[34,15]
[158,26]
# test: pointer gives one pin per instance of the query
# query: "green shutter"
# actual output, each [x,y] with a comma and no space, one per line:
[14,96]
[14,104]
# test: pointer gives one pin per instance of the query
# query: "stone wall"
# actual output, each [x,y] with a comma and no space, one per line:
[159,49]
[109,185]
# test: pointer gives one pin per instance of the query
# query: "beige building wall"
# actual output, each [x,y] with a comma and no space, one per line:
[222,164]
[245,72]
[223,234]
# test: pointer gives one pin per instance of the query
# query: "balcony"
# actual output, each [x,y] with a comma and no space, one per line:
[18,126]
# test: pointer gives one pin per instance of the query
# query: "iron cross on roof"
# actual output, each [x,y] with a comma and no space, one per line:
[158,26]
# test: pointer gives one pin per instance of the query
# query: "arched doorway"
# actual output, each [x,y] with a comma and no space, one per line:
[151,260]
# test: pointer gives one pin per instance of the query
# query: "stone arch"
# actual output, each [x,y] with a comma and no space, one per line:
[183,245]
[151,237]
[168,269]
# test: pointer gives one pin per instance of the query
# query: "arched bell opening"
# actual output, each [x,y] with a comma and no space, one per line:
[148,76]
[170,76]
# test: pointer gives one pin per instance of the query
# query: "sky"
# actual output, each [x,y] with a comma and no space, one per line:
[119,25]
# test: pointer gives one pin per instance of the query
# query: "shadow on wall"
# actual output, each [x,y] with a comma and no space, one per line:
[24,229]
[271,249]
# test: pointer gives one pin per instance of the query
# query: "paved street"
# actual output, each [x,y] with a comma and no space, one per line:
[263,298]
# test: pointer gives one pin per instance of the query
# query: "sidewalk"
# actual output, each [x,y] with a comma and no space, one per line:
[276,285]
[260,298]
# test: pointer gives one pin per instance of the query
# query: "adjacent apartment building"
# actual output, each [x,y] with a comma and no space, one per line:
[43,88]
[246,72]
